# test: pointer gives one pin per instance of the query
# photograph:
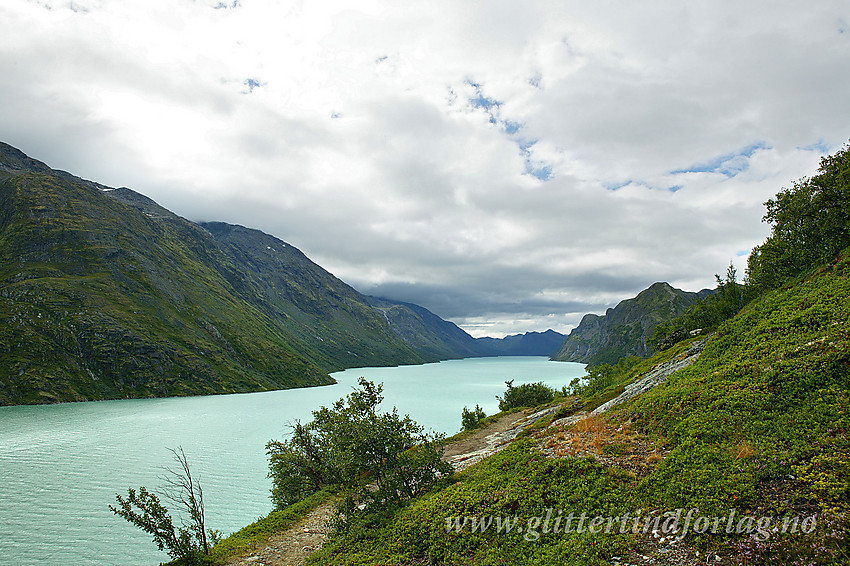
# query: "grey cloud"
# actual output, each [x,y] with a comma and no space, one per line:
[497,213]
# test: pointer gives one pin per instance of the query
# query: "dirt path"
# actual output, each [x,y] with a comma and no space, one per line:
[478,440]
[493,437]
[294,545]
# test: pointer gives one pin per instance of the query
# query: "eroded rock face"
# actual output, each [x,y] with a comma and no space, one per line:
[656,376]
[500,439]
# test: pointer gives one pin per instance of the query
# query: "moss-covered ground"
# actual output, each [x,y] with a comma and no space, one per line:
[757,425]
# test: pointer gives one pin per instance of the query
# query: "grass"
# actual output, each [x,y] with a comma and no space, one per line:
[248,539]
[757,424]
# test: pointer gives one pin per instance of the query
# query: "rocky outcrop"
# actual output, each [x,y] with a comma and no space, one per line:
[623,330]
[655,377]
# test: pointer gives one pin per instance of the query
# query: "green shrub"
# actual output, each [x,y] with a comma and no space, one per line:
[810,225]
[603,376]
[351,443]
[472,419]
[526,395]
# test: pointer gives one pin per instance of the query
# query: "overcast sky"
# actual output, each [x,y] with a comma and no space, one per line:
[509,165]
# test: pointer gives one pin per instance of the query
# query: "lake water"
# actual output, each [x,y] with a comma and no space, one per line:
[61,465]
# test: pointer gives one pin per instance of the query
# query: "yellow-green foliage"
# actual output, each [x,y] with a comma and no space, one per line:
[775,377]
[248,538]
[766,401]
[517,482]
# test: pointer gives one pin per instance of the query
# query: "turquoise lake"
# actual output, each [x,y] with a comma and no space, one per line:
[61,465]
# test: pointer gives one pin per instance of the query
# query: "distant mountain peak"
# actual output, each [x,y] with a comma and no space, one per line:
[527,344]
[623,330]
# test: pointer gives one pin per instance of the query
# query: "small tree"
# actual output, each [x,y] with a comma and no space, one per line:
[471,419]
[382,457]
[184,490]
[153,518]
[144,509]
[810,225]
[526,395]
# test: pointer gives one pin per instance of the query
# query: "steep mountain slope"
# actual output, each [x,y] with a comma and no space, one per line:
[105,294]
[336,323]
[425,331]
[623,330]
[528,344]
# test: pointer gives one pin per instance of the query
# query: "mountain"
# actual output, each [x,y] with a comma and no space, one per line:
[428,333]
[105,294]
[623,330]
[335,324]
[528,344]
[424,331]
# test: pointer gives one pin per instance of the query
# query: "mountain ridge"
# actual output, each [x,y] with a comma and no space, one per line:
[532,343]
[106,294]
[417,325]
[623,330]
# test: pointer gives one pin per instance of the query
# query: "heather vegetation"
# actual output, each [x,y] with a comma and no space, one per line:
[758,424]
[755,427]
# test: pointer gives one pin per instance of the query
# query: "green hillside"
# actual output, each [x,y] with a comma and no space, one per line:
[750,439]
[758,424]
[98,301]
[104,294]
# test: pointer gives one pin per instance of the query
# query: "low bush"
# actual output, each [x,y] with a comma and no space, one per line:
[526,395]
[382,458]
[472,419]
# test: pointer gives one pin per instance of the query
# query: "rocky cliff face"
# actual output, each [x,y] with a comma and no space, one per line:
[623,330]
